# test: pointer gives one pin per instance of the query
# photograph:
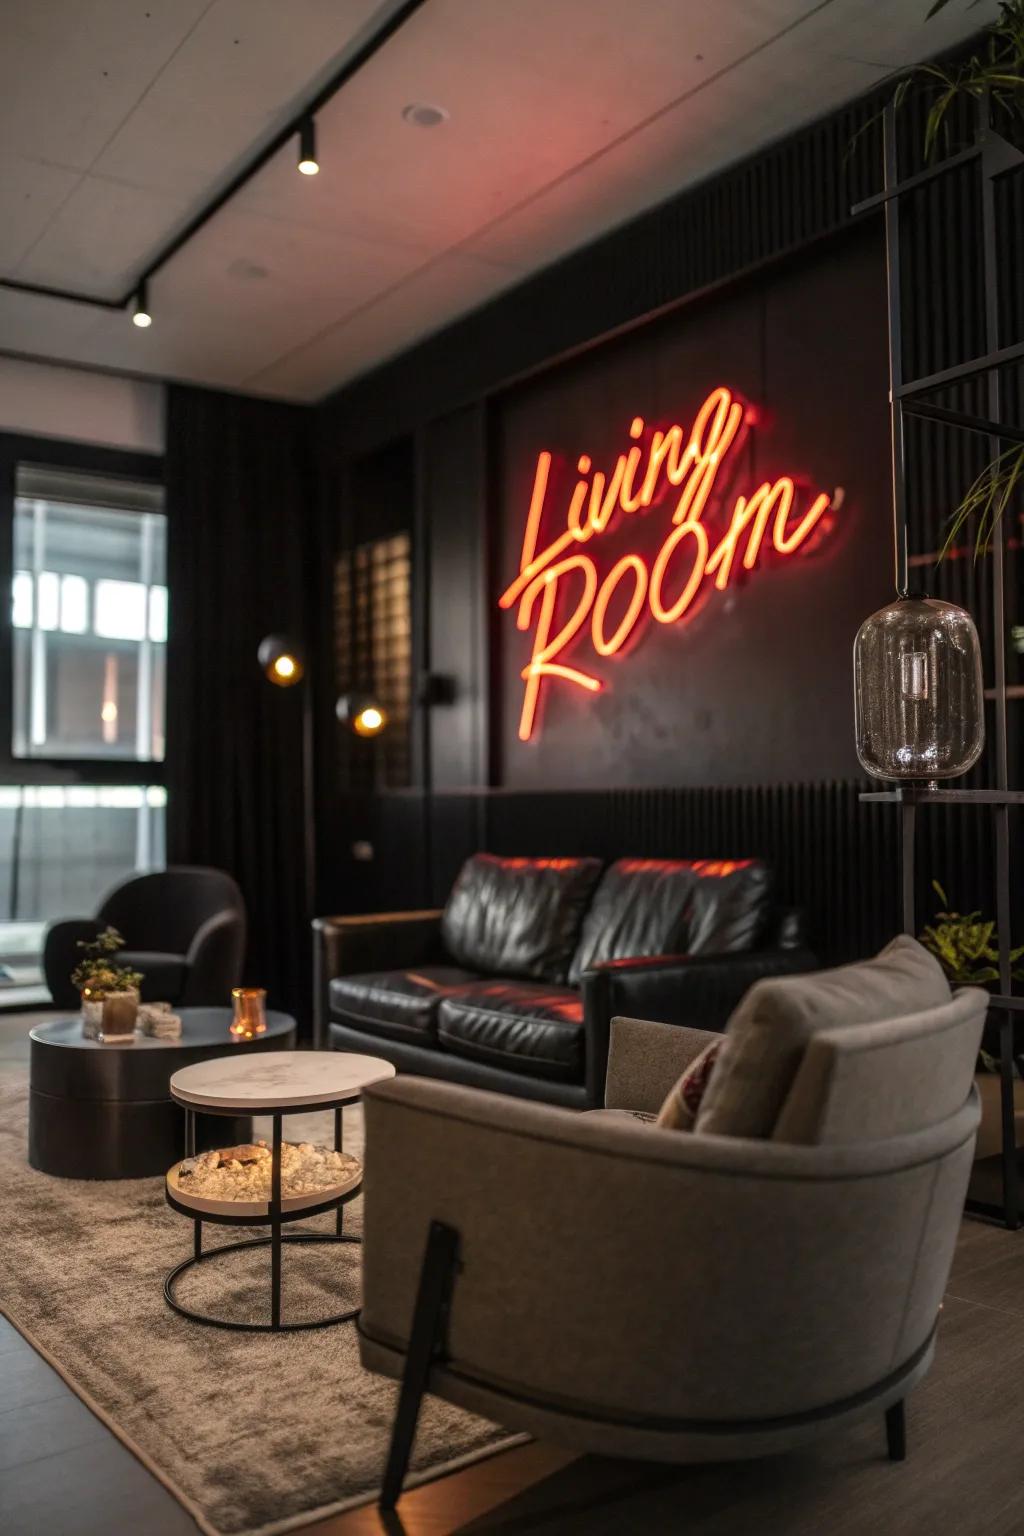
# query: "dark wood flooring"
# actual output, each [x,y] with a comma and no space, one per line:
[63,1474]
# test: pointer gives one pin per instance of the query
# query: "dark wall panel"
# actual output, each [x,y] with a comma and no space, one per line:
[754,684]
[454,555]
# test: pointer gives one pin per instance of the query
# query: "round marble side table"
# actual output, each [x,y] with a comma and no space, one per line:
[277,1083]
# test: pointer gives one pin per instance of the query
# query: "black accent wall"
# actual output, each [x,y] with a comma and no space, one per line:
[765,263]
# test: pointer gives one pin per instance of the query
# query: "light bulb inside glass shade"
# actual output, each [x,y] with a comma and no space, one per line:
[284,667]
[918,691]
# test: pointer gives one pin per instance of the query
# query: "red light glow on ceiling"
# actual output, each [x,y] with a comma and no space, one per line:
[667,587]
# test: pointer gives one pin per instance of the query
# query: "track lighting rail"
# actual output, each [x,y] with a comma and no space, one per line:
[300,127]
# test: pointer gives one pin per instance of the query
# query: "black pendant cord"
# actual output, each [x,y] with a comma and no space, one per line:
[893,293]
[291,130]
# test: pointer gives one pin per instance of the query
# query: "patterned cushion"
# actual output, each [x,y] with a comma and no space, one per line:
[679,1111]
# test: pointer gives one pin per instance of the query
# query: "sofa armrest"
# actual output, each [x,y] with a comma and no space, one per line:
[645,1060]
[699,991]
[379,941]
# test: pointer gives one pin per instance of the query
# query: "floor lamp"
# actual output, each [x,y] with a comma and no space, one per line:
[282,661]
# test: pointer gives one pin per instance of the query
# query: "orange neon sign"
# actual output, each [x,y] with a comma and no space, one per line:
[654,464]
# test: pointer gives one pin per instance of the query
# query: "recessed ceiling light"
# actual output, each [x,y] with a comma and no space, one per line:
[422,115]
[248,271]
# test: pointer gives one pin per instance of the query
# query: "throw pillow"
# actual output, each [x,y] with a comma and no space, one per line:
[679,1111]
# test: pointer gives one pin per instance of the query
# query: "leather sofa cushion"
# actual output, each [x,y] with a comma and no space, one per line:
[769,1031]
[649,907]
[518,917]
[520,1026]
[397,1005]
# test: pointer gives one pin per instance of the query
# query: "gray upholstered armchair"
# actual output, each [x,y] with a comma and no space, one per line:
[632,1290]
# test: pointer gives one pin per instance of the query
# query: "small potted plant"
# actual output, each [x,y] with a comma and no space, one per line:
[110,992]
[966,945]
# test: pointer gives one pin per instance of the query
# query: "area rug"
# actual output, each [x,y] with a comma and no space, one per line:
[253,1433]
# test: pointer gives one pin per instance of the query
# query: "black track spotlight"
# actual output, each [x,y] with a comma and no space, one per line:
[362,713]
[308,163]
[140,307]
[281,661]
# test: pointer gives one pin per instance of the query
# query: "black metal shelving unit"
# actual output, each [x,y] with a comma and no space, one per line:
[906,396]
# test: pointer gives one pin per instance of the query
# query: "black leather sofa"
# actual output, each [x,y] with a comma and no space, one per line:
[514,984]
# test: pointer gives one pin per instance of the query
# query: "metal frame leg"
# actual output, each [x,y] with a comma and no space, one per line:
[426,1343]
[339,1220]
[275,1229]
[190,1151]
[896,1431]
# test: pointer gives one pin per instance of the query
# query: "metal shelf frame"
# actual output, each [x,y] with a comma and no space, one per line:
[995,156]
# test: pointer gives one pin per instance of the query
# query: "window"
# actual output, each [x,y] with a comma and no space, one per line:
[89,612]
[61,848]
[88,642]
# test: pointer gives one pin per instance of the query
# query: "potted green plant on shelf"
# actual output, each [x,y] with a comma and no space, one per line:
[109,992]
[966,945]
[993,72]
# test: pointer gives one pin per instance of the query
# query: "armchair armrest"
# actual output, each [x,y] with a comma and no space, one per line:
[61,954]
[699,991]
[347,946]
[214,959]
[606,1247]
[645,1059]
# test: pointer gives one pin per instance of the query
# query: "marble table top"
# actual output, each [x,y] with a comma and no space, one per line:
[278,1079]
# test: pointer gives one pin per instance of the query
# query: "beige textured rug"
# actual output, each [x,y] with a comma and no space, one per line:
[253,1433]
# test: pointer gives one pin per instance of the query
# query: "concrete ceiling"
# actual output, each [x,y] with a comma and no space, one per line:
[120,118]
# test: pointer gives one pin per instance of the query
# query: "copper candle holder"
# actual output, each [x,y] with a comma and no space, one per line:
[250,1009]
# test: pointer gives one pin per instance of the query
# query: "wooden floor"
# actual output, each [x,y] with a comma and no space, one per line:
[63,1474]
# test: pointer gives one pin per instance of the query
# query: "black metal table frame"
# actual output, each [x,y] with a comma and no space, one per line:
[275,1218]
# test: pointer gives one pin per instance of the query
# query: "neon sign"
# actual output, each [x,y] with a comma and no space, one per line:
[670,460]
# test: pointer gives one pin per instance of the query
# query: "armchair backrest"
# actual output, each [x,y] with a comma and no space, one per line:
[870,1082]
[164,910]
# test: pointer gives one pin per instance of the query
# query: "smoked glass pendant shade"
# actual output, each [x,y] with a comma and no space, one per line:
[918,693]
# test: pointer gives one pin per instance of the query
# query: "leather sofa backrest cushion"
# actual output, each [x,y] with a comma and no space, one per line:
[769,1032]
[518,917]
[649,907]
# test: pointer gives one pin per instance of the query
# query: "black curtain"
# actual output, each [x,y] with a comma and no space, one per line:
[241,512]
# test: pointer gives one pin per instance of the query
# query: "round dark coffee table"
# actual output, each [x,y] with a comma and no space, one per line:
[105,1111]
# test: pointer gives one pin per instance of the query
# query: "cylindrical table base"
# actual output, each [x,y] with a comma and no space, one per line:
[104,1139]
